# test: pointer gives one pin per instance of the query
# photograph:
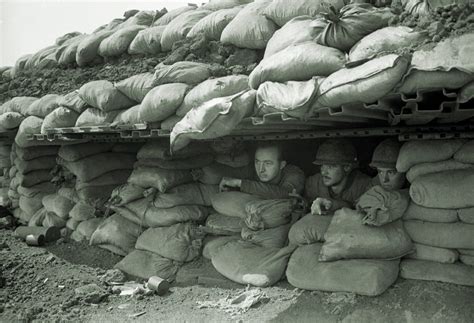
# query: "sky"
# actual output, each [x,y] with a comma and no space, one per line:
[27,26]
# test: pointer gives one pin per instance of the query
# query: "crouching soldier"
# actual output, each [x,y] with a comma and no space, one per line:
[339,184]
[274,178]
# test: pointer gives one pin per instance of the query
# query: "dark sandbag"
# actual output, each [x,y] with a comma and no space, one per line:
[161,150]
[211,244]
[73,153]
[36,152]
[213,174]
[233,203]
[34,177]
[178,164]
[467,252]
[456,273]
[434,167]
[187,194]
[126,193]
[466,215]
[429,253]
[309,229]
[218,224]
[155,217]
[465,154]
[276,237]
[444,235]
[58,205]
[161,179]
[95,195]
[348,238]
[267,214]
[127,147]
[417,212]
[41,188]
[246,263]
[145,264]
[361,276]
[117,231]
[180,242]
[26,166]
[467,260]
[115,177]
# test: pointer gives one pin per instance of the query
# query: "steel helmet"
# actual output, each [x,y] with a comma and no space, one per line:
[386,154]
[336,152]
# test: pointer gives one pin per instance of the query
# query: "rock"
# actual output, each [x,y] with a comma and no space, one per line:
[112,276]
[50,258]
[242,57]
[95,298]
[87,289]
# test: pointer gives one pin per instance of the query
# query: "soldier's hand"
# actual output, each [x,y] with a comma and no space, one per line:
[321,206]
[227,183]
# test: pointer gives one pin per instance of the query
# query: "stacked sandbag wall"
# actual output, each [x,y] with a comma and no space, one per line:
[8,171]
[440,217]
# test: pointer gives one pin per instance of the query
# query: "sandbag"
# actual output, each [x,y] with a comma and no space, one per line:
[385,40]
[368,277]
[211,89]
[276,237]
[52,220]
[126,193]
[68,55]
[87,50]
[223,225]
[236,160]
[26,166]
[95,195]
[37,218]
[134,211]
[147,41]
[82,212]
[178,164]
[457,273]
[444,235]
[380,206]
[282,11]
[145,264]
[297,30]
[435,167]
[169,123]
[141,18]
[212,25]
[117,43]
[129,116]
[447,190]
[29,126]
[212,243]
[417,212]
[364,83]
[179,27]
[162,102]
[86,228]
[72,224]
[181,72]
[180,242]
[73,101]
[213,119]
[115,177]
[293,98]
[233,203]
[155,217]
[30,205]
[448,65]
[309,229]
[426,151]
[246,263]
[465,154]
[161,179]
[136,87]
[59,118]
[94,166]
[466,215]
[95,117]
[44,106]
[298,62]
[466,94]
[35,177]
[127,147]
[348,238]
[467,260]
[41,188]
[353,22]
[58,205]
[467,252]
[268,214]
[105,96]
[161,150]
[250,28]
[72,153]
[429,253]
[224,4]
[117,231]
[10,120]
[19,104]
[172,14]
[187,194]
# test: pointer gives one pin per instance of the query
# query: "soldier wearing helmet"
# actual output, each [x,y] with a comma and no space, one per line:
[384,160]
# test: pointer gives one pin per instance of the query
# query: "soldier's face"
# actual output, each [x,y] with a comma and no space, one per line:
[333,175]
[267,164]
[390,179]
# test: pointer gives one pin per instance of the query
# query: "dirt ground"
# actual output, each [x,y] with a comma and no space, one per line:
[40,285]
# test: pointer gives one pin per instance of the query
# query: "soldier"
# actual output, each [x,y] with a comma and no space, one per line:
[384,160]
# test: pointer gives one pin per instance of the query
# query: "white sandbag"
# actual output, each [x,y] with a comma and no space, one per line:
[385,40]
[298,62]
[213,119]
[38,218]
[211,89]
[467,260]
[87,50]
[365,83]
[30,205]
[187,194]
[66,54]
[444,235]
[429,253]
[233,203]
[426,151]
[224,4]
[141,18]
[87,228]
[10,120]
[250,28]
[309,229]
[276,237]
[82,212]
[147,41]
[155,217]
[361,276]
[212,243]
[96,117]
[72,224]
[172,14]
[162,102]
[181,72]
[59,118]
[213,24]
[465,154]
[117,43]
[73,101]
[19,104]
[293,98]
[52,220]
[44,106]
[126,193]
[169,123]
[435,167]
[58,205]
[466,93]
[282,11]
[457,273]
[129,116]
[105,96]
[29,126]
[447,190]
[161,179]
[137,86]
[417,212]
[179,27]
[223,225]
